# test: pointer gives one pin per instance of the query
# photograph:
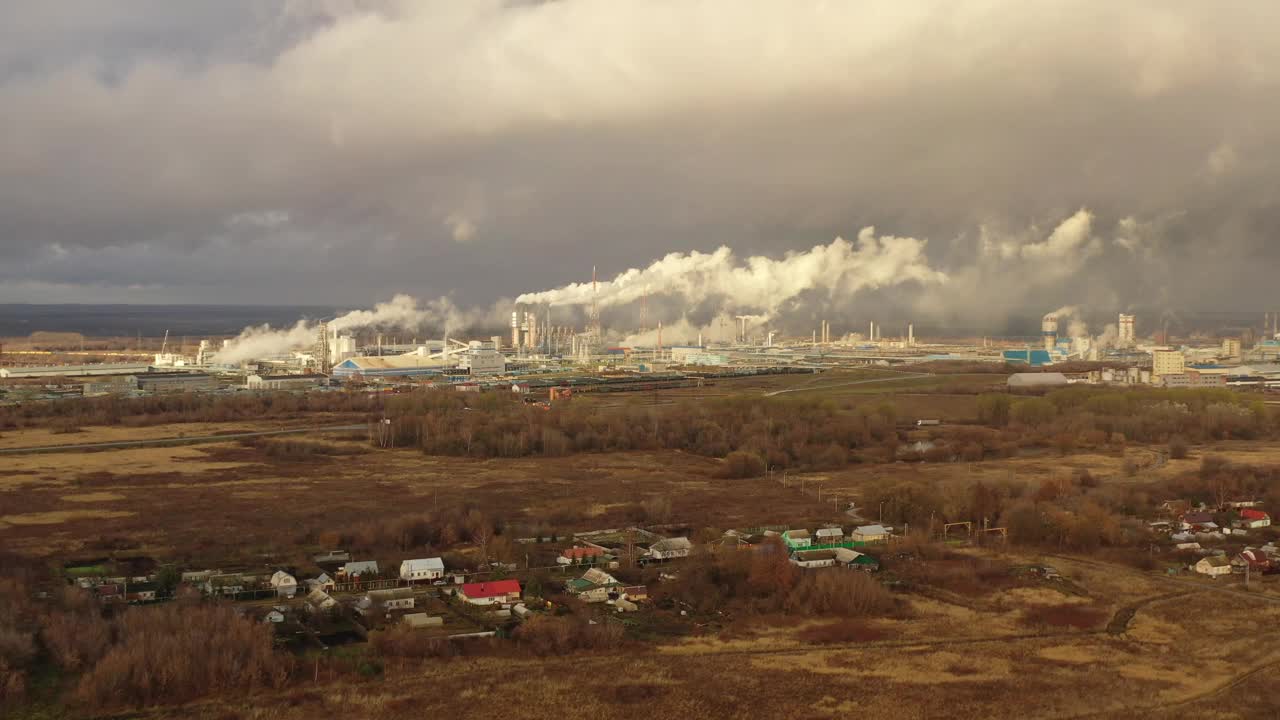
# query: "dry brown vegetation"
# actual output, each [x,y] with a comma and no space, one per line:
[960,634]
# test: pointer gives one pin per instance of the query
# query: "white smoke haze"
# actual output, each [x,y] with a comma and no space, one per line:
[707,293]
[684,331]
[400,312]
[760,284]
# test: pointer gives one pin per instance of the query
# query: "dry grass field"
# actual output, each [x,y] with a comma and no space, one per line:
[1108,641]
[226,498]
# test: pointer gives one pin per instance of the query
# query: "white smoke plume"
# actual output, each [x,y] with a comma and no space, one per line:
[722,328]
[401,311]
[757,283]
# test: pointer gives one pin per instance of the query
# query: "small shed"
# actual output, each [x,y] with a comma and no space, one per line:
[422,620]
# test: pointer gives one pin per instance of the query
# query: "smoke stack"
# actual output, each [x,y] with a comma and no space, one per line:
[911,335]
[699,338]
[1049,331]
[659,353]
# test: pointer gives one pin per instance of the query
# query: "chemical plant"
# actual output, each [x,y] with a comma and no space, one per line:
[542,350]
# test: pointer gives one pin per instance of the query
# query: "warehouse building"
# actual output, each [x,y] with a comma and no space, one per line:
[285,382]
[390,366]
[75,370]
[176,382]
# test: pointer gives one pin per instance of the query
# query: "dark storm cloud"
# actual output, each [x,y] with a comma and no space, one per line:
[339,152]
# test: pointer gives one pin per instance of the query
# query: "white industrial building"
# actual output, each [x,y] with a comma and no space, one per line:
[75,370]
[285,382]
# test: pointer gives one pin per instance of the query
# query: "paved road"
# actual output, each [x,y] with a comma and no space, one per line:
[81,447]
[813,388]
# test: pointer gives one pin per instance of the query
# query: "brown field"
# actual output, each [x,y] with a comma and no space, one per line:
[1108,641]
[225,498]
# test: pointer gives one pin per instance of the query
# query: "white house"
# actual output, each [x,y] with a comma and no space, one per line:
[871,533]
[275,616]
[1213,566]
[670,548]
[1251,518]
[423,569]
[285,584]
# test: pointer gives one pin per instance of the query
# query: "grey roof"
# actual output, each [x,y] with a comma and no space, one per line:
[670,544]
[361,567]
[872,530]
[434,563]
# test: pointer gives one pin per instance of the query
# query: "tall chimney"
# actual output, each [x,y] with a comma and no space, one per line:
[911,335]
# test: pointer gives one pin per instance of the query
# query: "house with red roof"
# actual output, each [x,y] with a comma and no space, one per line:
[1252,518]
[579,555]
[494,592]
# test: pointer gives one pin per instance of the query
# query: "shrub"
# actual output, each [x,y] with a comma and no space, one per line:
[175,654]
[1178,448]
[742,464]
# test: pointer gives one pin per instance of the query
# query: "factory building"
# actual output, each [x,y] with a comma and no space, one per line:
[479,360]
[166,382]
[696,356]
[1033,358]
[1167,362]
[75,370]
[1125,337]
[1194,379]
[390,366]
[285,382]
[107,384]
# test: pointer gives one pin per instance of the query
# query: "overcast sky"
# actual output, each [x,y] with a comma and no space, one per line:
[338,151]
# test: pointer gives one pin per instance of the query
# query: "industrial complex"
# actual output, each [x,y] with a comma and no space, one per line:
[540,354]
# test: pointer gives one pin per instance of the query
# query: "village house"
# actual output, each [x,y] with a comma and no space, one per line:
[636,593]
[670,548]
[856,560]
[1198,521]
[422,569]
[285,584]
[1254,559]
[318,600]
[321,582]
[829,536]
[354,571]
[594,586]
[392,599]
[494,592]
[797,539]
[871,534]
[332,557]
[1252,519]
[580,555]
[1214,566]
[810,559]
[142,592]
